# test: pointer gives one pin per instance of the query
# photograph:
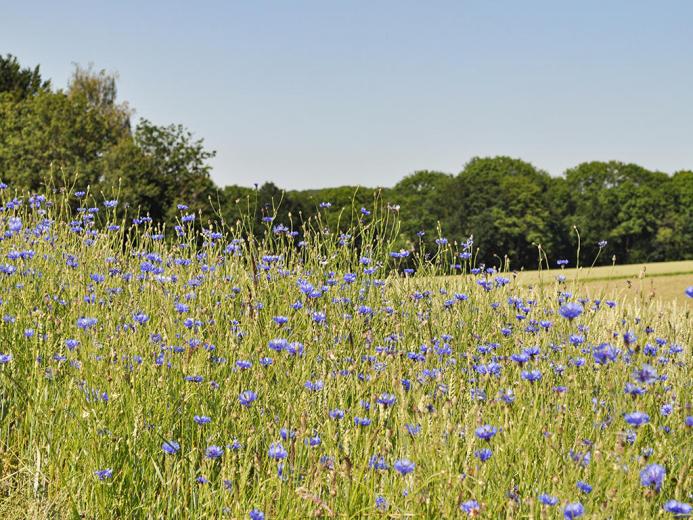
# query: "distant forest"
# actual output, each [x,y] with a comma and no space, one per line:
[82,136]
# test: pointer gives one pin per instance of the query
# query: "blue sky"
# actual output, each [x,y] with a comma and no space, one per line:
[325,93]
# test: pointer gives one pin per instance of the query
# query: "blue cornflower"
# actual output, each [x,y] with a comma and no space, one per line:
[386,399]
[531,375]
[314,386]
[678,508]
[629,337]
[653,476]
[277,451]
[246,398]
[605,353]
[104,474]
[202,419]
[584,487]
[637,419]
[520,358]
[256,514]
[140,318]
[86,323]
[336,414]
[548,500]
[14,224]
[471,507]
[484,454]
[287,434]
[214,452]
[570,310]
[278,344]
[170,447]
[362,421]
[378,463]
[5,358]
[244,364]
[404,466]
[689,291]
[486,432]
[573,510]
[645,374]
[413,429]
[295,349]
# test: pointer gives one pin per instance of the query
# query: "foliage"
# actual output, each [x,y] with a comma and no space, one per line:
[18,82]
[517,213]
[222,371]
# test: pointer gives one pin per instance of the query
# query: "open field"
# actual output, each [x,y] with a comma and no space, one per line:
[661,281]
[219,374]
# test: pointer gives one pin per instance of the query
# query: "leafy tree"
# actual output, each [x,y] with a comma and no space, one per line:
[425,201]
[100,91]
[503,203]
[674,239]
[51,132]
[18,82]
[179,166]
[621,203]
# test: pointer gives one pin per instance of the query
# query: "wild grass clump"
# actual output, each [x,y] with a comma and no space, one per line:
[206,372]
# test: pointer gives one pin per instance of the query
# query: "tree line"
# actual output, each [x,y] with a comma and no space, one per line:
[83,136]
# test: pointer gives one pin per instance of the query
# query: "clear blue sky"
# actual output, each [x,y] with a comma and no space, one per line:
[325,93]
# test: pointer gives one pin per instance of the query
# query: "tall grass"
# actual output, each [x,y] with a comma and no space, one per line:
[184,323]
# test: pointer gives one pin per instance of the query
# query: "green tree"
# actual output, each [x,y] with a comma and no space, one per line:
[425,201]
[18,82]
[51,132]
[621,203]
[503,203]
[100,91]
[179,167]
[674,239]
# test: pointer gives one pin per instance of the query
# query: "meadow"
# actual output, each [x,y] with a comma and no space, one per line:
[207,372]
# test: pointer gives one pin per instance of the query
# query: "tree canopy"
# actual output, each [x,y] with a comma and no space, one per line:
[83,136]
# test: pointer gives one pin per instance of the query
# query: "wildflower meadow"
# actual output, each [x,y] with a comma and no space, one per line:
[208,370]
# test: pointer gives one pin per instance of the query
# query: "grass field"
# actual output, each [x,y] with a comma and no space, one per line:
[661,281]
[219,374]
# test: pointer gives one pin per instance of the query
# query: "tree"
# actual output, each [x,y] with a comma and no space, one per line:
[503,203]
[100,91]
[621,203]
[179,166]
[18,82]
[68,134]
[51,132]
[674,239]
[425,200]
